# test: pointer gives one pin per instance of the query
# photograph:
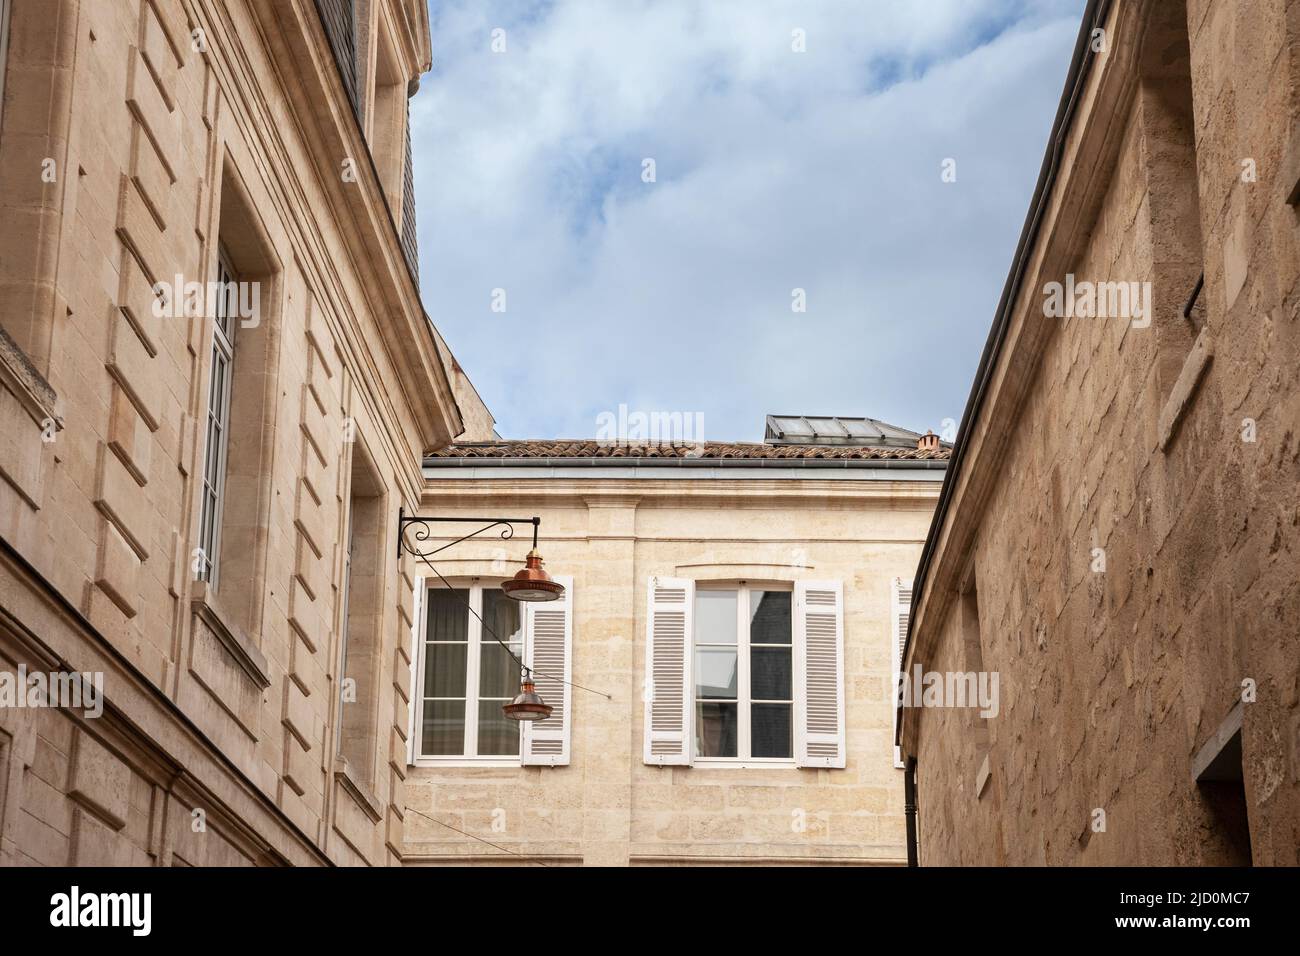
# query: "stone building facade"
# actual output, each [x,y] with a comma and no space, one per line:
[1118,537]
[813,546]
[198,499]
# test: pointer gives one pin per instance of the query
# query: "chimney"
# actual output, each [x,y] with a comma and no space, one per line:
[928,442]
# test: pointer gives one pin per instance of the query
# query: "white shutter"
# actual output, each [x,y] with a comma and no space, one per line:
[819,673]
[900,610]
[417,692]
[548,650]
[668,692]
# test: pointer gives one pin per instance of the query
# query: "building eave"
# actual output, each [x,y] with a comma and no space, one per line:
[970,448]
[330,124]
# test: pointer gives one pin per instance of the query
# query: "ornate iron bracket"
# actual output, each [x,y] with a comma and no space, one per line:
[423,532]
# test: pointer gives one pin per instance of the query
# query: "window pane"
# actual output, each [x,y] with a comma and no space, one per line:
[769,730]
[769,673]
[715,673]
[770,617]
[498,735]
[444,728]
[498,674]
[209,513]
[503,616]
[444,670]
[448,616]
[715,617]
[715,729]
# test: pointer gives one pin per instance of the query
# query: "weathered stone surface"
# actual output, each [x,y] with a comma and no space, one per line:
[1126,507]
[160,153]
[607,806]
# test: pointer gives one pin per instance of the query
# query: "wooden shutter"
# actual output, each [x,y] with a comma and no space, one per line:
[819,673]
[415,700]
[900,610]
[548,650]
[669,693]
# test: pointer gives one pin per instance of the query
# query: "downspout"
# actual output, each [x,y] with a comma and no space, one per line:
[909,810]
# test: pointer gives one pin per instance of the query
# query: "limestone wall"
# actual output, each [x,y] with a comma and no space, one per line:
[1169,452]
[607,806]
[173,127]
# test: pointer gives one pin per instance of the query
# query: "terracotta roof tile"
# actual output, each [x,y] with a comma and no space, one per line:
[588,448]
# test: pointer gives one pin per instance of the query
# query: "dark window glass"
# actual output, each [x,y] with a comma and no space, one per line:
[498,735]
[769,674]
[770,617]
[769,730]
[448,616]
[444,670]
[715,729]
[444,728]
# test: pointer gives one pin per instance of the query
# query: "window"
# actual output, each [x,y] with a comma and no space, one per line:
[388,122]
[468,676]
[362,40]
[363,590]
[744,676]
[36,112]
[5,749]
[234,512]
[1169,157]
[900,612]
[1221,786]
[744,695]
[973,654]
[218,422]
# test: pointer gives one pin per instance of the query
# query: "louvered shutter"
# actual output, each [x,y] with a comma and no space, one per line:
[416,692]
[668,690]
[548,650]
[819,674]
[900,610]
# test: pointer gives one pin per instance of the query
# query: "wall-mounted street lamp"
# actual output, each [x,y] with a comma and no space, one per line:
[530,584]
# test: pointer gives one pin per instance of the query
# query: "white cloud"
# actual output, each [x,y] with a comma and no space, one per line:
[775,170]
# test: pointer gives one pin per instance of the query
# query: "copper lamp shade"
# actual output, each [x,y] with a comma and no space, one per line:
[527,705]
[532,583]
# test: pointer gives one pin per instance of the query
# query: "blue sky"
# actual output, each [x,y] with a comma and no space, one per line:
[775,170]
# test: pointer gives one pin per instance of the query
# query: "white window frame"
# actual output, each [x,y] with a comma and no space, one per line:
[899,614]
[215,458]
[473,658]
[744,592]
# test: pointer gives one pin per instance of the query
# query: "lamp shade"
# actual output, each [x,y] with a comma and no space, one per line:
[527,705]
[532,583]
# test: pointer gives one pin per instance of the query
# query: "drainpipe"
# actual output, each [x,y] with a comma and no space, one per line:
[909,810]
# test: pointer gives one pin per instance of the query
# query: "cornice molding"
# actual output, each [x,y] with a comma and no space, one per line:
[705,492]
[329,127]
